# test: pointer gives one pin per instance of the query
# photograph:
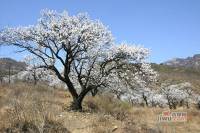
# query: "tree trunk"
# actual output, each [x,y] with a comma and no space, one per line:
[187,104]
[94,92]
[77,102]
[198,105]
[34,77]
[169,104]
[71,88]
[1,79]
[145,99]
[76,105]
[181,103]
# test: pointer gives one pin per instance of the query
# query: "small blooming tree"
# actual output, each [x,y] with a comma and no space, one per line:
[157,100]
[84,49]
[177,94]
[32,72]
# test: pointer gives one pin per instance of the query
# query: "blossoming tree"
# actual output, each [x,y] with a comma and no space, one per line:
[35,74]
[84,49]
[177,94]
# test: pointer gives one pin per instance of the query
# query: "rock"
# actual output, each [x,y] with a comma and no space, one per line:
[114,128]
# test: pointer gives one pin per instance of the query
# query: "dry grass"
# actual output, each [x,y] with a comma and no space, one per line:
[29,109]
[107,105]
[38,109]
[142,119]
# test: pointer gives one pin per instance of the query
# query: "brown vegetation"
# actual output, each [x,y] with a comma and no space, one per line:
[35,109]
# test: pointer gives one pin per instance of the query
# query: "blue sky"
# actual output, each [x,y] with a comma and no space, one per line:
[170,28]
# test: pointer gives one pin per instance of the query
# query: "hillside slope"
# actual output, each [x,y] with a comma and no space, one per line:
[14,66]
[178,74]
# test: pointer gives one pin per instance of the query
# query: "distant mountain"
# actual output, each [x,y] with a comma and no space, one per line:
[13,65]
[190,62]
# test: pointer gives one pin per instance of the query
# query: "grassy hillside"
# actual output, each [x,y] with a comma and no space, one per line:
[178,74]
[35,109]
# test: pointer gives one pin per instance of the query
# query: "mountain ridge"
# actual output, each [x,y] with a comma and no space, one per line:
[189,62]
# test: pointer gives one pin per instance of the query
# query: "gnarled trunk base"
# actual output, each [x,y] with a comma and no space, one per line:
[76,105]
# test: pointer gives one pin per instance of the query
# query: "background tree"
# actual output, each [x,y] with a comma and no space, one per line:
[9,72]
[1,77]
[31,62]
[84,49]
[178,94]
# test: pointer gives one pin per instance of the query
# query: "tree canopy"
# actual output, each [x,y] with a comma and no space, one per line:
[86,52]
